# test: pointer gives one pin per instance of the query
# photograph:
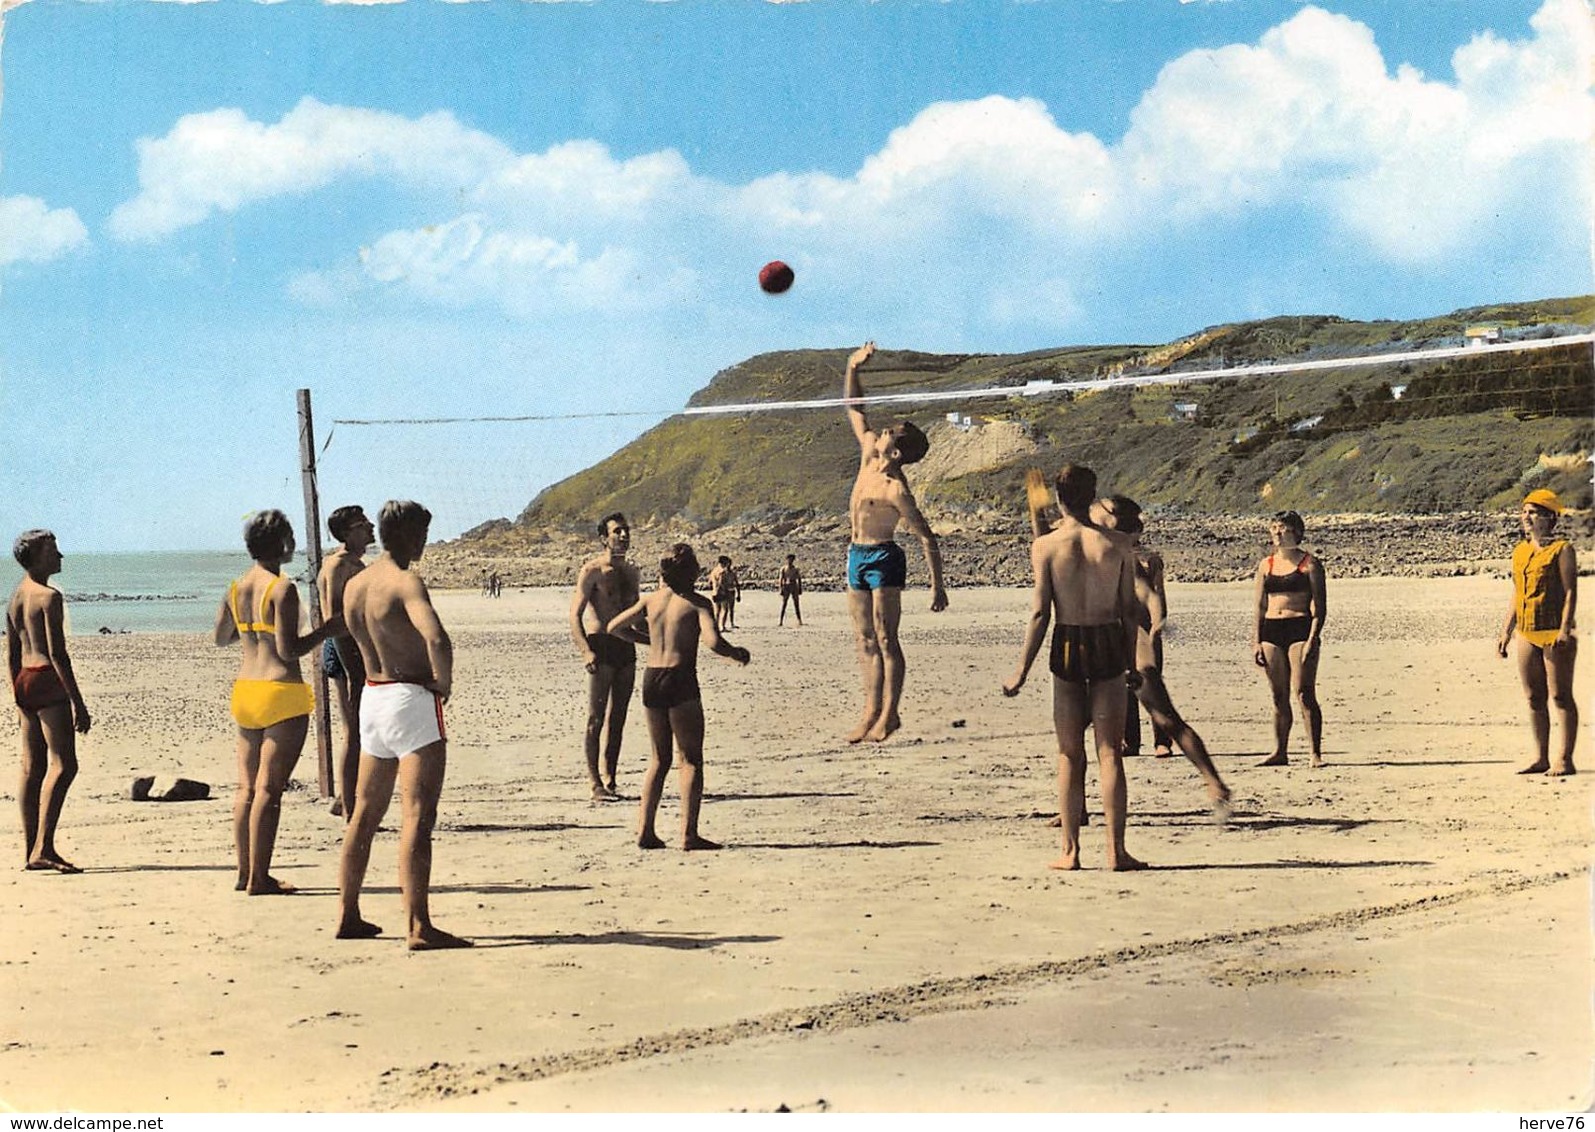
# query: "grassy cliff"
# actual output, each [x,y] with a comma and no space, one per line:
[1463,434]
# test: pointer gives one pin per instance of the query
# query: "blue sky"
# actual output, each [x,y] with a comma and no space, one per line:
[455,209]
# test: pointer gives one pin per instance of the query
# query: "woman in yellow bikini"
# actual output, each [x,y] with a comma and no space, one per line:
[1290,620]
[1544,596]
[271,701]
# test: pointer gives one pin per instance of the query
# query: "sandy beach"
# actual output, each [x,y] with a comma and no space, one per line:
[1407,928]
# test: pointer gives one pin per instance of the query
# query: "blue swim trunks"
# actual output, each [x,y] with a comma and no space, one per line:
[331,662]
[876,567]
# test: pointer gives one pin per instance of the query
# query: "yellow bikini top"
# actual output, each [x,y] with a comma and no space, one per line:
[262,625]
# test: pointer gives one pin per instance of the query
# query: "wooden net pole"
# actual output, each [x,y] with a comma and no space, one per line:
[307,475]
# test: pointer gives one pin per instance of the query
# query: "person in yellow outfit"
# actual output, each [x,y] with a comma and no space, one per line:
[1544,597]
[271,702]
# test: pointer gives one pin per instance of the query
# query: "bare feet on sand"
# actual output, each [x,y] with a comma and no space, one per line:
[436,939]
[358,929]
[1280,759]
[650,841]
[1560,770]
[1541,767]
[857,734]
[1163,753]
[882,731]
[1067,863]
[602,793]
[57,865]
[1124,863]
[272,887]
[692,843]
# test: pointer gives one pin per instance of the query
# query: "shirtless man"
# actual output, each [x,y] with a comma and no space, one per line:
[791,583]
[606,585]
[876,567]
[725,588]
[677,617]
[340,659]
[1122,514]
[411,664]
[49,705]
[1086,577]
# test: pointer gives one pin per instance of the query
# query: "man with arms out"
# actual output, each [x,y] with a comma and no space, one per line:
[1086,577]
[876,567]
[791,583]
[49,705]
[677,617]
[604,586]
[1123,515]
[411,664]
[340,659]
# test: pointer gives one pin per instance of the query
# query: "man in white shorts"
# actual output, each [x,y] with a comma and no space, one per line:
[409,662]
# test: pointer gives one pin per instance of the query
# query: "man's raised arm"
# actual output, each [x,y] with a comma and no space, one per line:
[852,389]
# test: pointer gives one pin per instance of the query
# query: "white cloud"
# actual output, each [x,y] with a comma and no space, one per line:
[221,161]
[1310,122]
[1312,115]
[33,232]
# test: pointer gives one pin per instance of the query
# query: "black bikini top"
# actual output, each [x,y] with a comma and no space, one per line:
[1295,582]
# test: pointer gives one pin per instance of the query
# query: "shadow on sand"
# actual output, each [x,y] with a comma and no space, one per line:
[675,941]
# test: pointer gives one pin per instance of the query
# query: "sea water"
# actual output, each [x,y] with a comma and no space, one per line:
[147,592]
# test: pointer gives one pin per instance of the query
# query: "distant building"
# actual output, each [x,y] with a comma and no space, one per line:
[1307,424]
[1187,411]
[1246,433]
[1478,336]
[960,421]
[1396,391]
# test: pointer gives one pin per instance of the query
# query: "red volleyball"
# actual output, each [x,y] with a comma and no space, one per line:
[775,277]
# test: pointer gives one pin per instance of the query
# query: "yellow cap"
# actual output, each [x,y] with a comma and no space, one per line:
[1541,497]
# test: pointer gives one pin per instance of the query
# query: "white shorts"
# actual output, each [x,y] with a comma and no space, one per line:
[398,719]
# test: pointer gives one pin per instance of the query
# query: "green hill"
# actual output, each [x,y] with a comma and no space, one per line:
[1465,434]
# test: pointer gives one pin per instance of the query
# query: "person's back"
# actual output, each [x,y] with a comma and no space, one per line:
[1085,564]
[674,628]
[377,604]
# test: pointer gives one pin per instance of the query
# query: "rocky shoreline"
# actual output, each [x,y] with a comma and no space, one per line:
[993,550]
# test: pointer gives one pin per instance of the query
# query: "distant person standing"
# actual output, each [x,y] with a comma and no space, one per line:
[1544,598]
[340,657]
[1290,610]
[411,661]
[49,705]
[1085,577]
[604,586]
[791,583]
[271,703]
[877,569]
[724,589]
[677,619]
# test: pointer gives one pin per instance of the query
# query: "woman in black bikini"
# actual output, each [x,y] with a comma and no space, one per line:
[1290,621]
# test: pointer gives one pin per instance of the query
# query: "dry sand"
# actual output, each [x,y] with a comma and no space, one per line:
[1407,928]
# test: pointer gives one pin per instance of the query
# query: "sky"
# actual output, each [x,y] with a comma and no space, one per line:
[501,208]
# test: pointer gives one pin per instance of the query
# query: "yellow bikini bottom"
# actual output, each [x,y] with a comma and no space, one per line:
[260,703]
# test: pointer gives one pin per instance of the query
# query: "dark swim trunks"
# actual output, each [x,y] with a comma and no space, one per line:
[611,651]
[1282,632]
[1083,653]
[877,567]
[665,688]
[38,688]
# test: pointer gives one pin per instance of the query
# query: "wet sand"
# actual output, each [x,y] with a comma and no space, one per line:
[1407,928]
